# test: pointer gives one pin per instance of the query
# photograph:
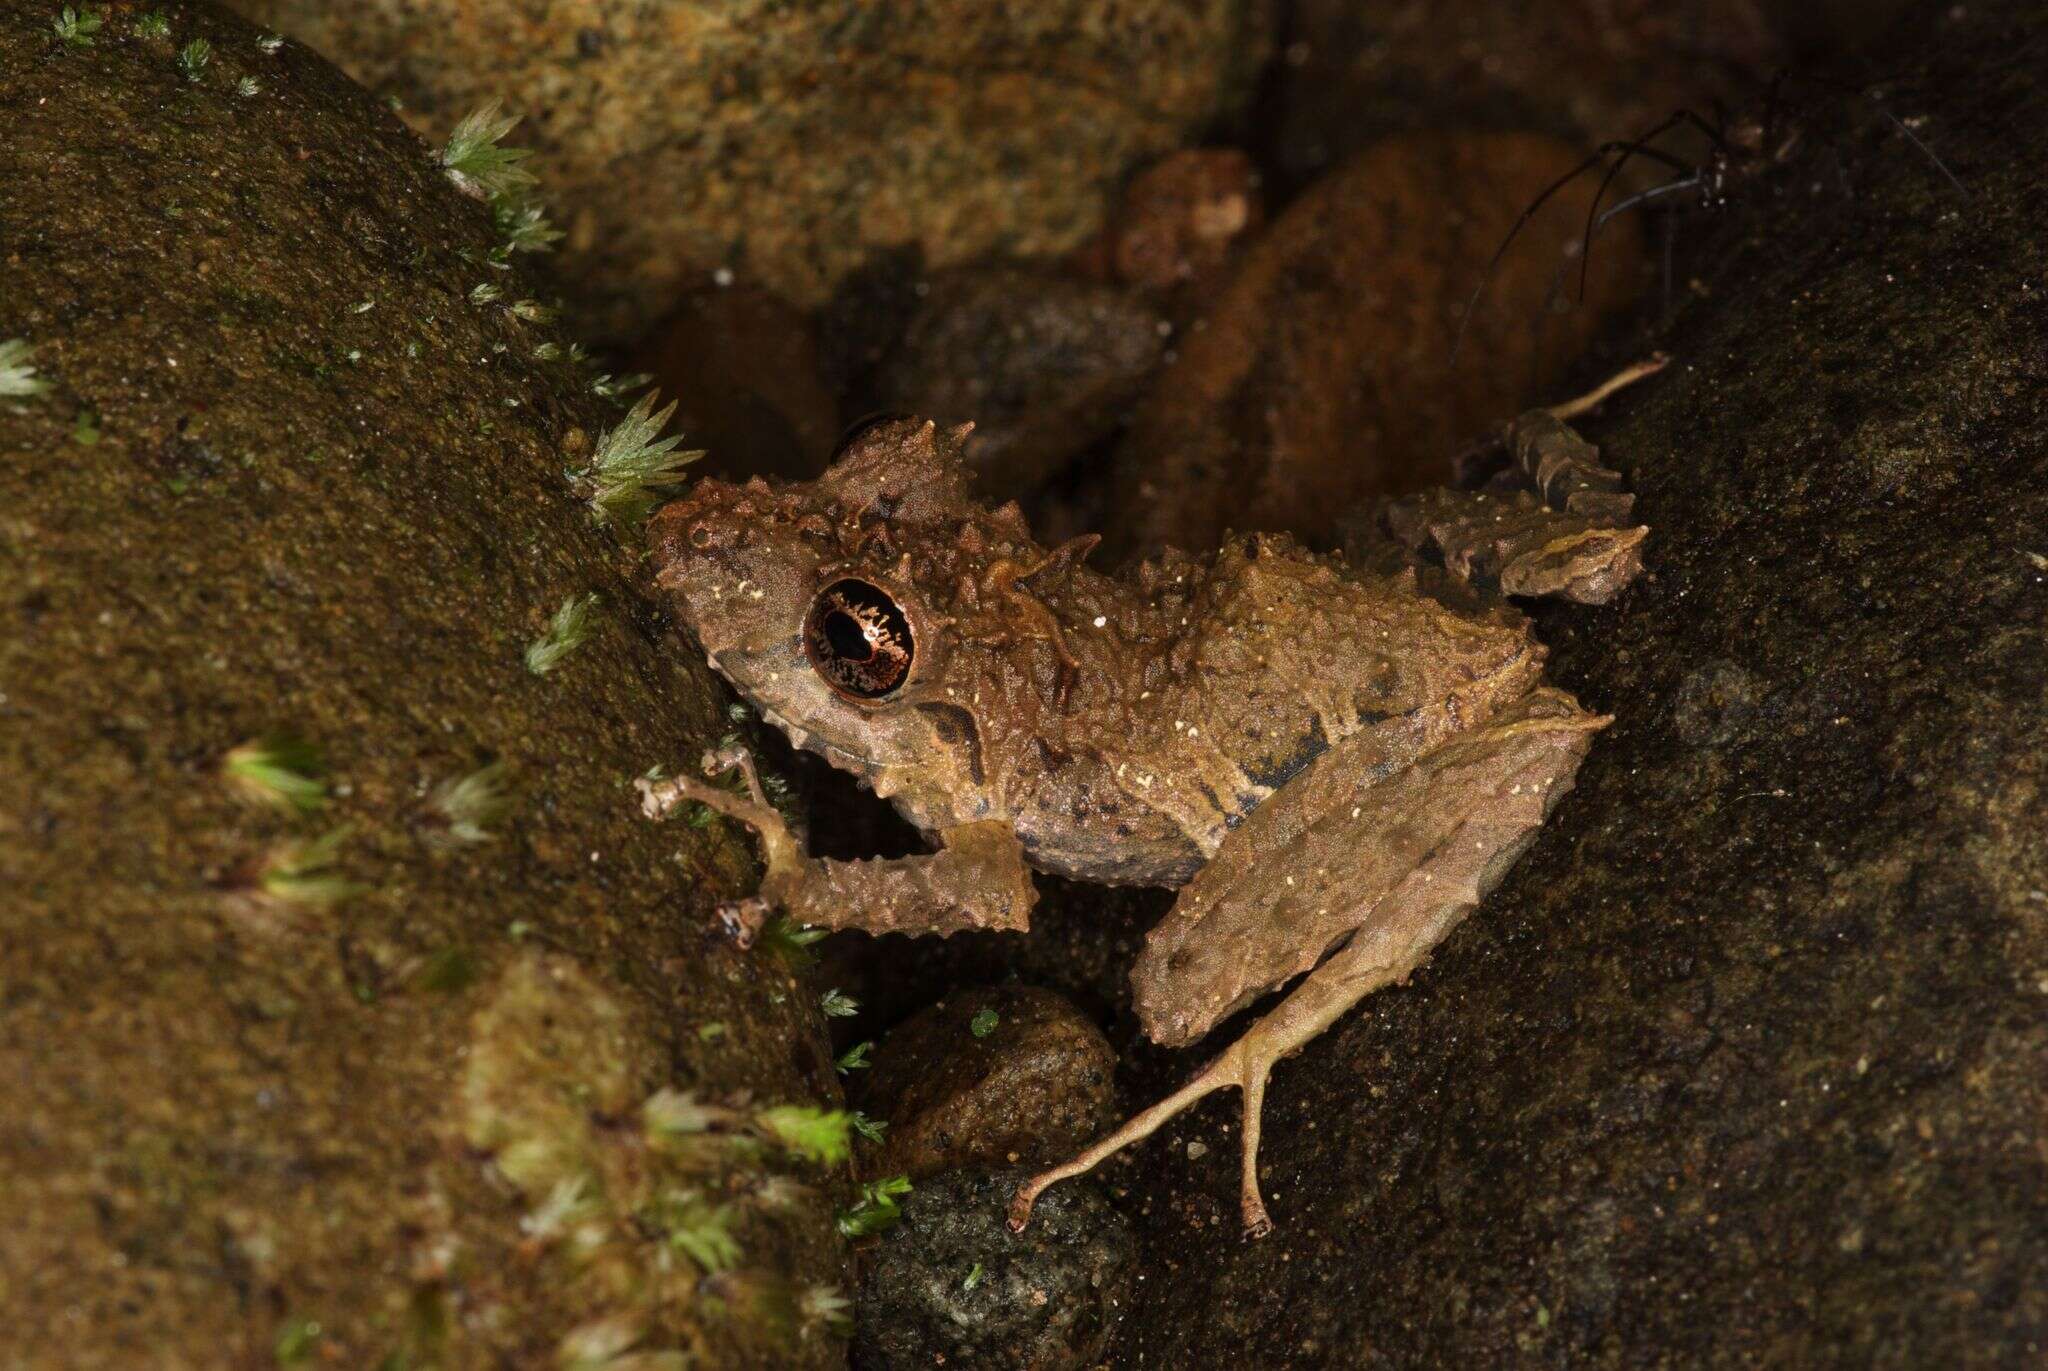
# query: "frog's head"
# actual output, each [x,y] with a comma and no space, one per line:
[812,597]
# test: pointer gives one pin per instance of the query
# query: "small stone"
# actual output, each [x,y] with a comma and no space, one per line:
[1035,1088]
[1046,1299]
[1182,219]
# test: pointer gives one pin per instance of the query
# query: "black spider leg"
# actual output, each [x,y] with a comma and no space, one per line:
[1620,146]
[1697,180]
[1678,118]
[1918,142]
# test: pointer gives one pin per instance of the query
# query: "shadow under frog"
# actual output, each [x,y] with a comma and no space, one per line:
[1330,765]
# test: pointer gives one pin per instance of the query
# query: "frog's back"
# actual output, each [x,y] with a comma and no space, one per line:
[1288,653]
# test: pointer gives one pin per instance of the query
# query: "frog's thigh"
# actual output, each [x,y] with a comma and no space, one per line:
[1324,856]
[1455,821]
[977,879]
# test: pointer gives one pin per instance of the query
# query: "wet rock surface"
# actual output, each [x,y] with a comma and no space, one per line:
[350,1068]
[1744,1062]
[1043,366]
[790,143]
[950,1285]
[1322,375]
[993,1076]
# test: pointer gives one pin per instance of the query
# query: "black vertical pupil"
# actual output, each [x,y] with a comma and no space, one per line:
[858,638]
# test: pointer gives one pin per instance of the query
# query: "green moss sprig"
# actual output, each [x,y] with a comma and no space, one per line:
[876,1209]
[303,873]
[193,57]
[17,370]
[633,464]
[278,771]
[568,629]
[476,159]
[76,27]
[790,941]
[807,1131]
[469,805]
[697,1228]
[823,1306]
[523,225]
[610,387]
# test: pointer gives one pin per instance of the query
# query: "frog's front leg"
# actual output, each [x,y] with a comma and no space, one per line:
[977,878]
[1393,863]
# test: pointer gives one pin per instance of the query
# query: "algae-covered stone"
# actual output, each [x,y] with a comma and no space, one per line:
[950,1285]
[349,1012]
[789,143]
[1745,1064]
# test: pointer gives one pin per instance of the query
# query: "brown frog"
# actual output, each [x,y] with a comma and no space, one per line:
[1331,765]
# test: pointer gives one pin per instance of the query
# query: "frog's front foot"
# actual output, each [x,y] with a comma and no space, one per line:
[744,919]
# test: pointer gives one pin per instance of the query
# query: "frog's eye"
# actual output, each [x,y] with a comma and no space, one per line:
[859,639]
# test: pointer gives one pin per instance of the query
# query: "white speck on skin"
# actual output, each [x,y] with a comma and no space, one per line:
[1102,621]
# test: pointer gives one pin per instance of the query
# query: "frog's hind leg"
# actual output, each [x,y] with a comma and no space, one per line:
[1414,853]
[1374,958]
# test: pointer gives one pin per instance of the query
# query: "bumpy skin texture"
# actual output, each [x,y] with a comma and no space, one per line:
[1121,726]
[1328,760]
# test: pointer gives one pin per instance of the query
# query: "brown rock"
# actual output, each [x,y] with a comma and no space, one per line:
[790,143]
[1038,1083]
[743,369]
[1323,377]
[1043,366]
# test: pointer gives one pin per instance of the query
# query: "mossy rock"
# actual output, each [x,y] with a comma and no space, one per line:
[792,144]
[361,1081]
[1744,1065]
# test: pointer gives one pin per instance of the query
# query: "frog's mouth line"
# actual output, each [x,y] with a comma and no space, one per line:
[789,656]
